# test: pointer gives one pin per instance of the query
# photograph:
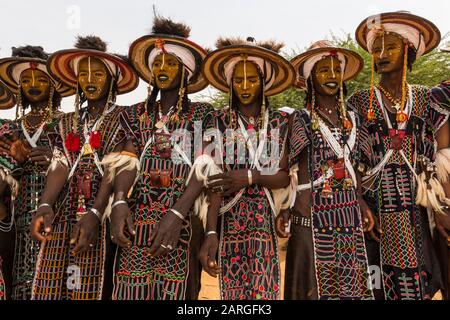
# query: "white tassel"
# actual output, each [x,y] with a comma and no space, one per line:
[443,164]
[421,196]
[116,163]
[284,198]
[431,195]
[203,167]
[12,183]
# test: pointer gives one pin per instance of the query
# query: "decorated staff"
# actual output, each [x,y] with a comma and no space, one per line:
[26,143]
[69,221]
[398,140]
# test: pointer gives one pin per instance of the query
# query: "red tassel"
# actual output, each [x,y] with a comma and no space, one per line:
[95,140]
[72,143]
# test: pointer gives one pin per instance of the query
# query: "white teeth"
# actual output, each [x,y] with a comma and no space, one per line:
[163,78]
[331,85]
[245,96]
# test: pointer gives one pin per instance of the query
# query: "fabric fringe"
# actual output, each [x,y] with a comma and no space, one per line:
[116,163]
[11,181]
[443,164]
[203,167]
[431,194]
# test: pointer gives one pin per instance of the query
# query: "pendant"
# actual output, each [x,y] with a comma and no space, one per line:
[401,117]
[396,106]
[87,149]
[326,193]
[370,115]
[348,183]
[143,117]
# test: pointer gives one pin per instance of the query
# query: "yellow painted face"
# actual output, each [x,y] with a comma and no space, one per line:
[35,85]
[246,82]
[388,50]
[166,69]
[94,78]
[327,76]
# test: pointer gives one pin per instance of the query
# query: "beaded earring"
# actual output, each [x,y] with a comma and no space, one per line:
[401,115]
[370,116]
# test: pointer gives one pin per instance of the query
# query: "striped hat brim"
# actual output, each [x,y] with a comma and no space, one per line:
[353,63]
[140,50]
[60,66]
[7,99]
[429,31]
[214,67]
[11,68]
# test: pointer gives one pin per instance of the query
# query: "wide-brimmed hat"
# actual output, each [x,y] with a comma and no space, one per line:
[422,34]
[7,99]
[169,37]
[351,62]
[28,57]
[63,64]
[278,74]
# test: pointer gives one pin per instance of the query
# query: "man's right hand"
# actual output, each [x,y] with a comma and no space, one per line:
[121,221]
[281,224]
[42,220]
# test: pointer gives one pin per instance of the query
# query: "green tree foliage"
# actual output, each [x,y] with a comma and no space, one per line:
[428,70]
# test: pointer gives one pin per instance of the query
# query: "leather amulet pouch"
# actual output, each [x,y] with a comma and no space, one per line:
[165,178]
[154,177]
[84,185]
[163,145]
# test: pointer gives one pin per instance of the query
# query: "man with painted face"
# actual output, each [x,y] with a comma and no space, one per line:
[326,257]
[74,261]
[252,169]
[398,144]
[27,142]
[157,235]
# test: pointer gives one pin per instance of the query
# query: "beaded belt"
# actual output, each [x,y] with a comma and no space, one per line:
[301,220]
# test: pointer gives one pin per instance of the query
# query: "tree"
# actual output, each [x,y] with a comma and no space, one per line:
[428,70]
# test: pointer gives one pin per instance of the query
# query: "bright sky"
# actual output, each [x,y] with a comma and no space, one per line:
[55,24]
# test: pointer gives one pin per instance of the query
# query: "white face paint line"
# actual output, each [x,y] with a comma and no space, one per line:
[245,74]
[89,69]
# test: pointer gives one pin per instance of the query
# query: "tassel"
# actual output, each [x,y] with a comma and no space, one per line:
[116,163]
[443,164]
[12,183]
[203,167]
[370,113]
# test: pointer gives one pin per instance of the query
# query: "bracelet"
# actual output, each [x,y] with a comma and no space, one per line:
[115,204]
[44,205]
[178,214]
[96,212]
[250,177]
[210,233]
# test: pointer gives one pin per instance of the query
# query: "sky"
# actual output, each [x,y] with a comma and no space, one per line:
[55,24]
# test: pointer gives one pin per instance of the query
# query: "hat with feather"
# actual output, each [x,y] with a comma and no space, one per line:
[24,58]
[277,73]
[170,37]
[7,99]
[63,64]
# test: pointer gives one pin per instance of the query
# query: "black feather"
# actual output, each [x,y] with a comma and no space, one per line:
[91,42]
[30,52]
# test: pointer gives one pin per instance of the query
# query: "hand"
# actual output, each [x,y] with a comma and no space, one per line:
[41,156]
[165,235]
[20,150]
[281,224]
[208,253]
[85,233]
[121,223]
[443,225]
[229,182]
[43,219]
[6,140]
[370,223]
